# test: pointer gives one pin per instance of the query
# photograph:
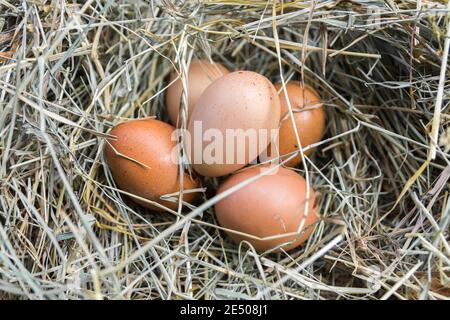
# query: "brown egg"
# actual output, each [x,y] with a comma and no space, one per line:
[200,75]
[272,205]
[141,162]
[231,123]
[309,118]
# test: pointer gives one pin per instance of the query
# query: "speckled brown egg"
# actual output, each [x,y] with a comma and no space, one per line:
[200,75]
[143,163]
[309,117]
[234,116]
[272,205]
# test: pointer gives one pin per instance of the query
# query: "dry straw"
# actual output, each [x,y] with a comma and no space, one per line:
[69,72]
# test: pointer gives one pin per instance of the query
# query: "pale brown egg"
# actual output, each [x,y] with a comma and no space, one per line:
[272,205]
[232,123]
[200,75]
[309,117]
[142,162]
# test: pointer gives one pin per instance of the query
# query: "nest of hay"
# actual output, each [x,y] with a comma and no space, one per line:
[69,71]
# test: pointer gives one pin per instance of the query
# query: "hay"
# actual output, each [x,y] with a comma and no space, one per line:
[69,71]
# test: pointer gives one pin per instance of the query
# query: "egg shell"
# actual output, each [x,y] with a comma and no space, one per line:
[271,205]
[240,100]
[145,166]
[309,118]
[200,75]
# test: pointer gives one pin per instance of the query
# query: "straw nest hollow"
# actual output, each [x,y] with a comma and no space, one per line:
[69,71]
